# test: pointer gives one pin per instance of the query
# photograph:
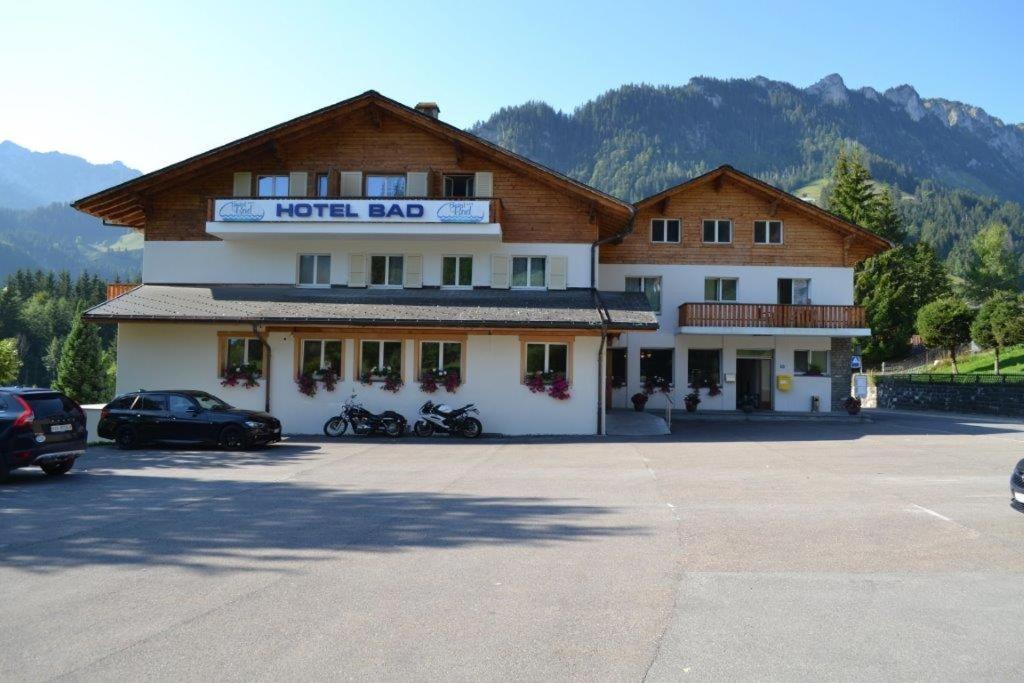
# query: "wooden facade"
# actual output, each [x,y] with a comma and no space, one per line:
[811,237]
[771,315]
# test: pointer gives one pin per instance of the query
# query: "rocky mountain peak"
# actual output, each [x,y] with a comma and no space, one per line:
[831,89]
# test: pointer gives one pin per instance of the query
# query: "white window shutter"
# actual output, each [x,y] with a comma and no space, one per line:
[483,184]
[298,184]
[416,184]
[499,271]
[243,185]
[413,271]
[351,184]
[357,270]
[557,266]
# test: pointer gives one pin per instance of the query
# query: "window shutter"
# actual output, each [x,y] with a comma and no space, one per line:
[298,184]
[416,184]
[499,271]
[243,185]
[357,270]
[351,184]
[483,184]
[413,276]
[557,266]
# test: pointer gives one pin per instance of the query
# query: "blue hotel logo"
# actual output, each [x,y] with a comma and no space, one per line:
[240,211]
[458,212]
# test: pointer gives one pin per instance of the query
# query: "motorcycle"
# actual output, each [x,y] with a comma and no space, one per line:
[364,422]
[447,420]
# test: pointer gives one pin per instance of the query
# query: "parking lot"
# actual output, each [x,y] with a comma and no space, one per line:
[746,550]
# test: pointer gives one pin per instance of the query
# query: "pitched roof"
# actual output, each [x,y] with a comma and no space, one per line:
[127,197]
[783,197]
[568,309]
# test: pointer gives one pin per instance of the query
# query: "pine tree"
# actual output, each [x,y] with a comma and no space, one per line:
[52,358]
[81,373]
[851,195]
[991,266]
[884,219]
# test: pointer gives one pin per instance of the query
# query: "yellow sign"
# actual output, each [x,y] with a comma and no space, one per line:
[784,382]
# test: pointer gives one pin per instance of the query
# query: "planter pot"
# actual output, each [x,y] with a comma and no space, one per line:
[639,407]
[691,407]
[853,410]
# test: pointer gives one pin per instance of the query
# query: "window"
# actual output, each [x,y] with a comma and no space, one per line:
[319,355]
[666,229]
[379,358]
[385,186]
[619,367]
[528,271]
[386,271]
[768,232]
[656,364]
[704,366]
[548,358]
[152,402]
[718,231]
[321,184]
[315,270]
[272,186]
[438,356]
[650,286]
[458,186]
[720,288]
[240,351]
[180,405]
[794,291]
[457,271]
[811,362]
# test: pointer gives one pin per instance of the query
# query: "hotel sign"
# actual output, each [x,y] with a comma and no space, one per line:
[351,211]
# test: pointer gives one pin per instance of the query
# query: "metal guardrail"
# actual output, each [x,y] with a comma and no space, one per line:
[949,378]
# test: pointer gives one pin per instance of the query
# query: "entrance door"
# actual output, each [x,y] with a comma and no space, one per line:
[754,382]
[616,376]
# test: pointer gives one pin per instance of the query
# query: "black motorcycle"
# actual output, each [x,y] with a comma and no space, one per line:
[447,420]
[364,422]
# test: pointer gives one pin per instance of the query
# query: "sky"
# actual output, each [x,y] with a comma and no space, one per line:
[152,83]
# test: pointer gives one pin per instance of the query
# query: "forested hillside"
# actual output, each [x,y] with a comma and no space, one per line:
[956,167]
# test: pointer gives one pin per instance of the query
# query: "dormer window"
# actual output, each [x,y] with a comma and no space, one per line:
[385,185]
[272,186]
[459,186]
[666,230]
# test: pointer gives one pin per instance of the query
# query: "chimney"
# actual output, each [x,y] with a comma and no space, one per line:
[429,108]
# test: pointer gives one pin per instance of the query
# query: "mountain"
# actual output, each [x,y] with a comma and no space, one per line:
[39,230]
[32,179]
[636,140]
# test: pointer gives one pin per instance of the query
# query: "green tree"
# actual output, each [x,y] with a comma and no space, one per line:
[851,194]
[884,219]
[52,358]
[945,324]
[81,372]
[992,265]
[999,323]
[892,287]
[10,363]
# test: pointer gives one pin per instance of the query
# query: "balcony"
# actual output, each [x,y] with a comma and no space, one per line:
[376,217]
[773,319]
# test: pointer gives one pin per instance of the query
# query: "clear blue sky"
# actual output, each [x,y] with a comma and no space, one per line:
[150,85]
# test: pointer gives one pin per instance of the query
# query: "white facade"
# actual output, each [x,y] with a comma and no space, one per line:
[755,284]
[275,261]
[179,355]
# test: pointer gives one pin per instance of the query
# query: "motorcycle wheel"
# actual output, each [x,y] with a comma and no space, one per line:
[423,428]
[393,428]
[471,428]
[336,426]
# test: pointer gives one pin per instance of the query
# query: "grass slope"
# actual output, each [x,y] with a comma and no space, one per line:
[1011,362]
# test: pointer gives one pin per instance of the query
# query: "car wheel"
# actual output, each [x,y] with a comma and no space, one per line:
[58,468]
[233,438]
[336,426]
[471,428]
[423,428]
[126,438]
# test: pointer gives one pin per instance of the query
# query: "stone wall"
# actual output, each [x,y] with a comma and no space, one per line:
[989,399]
[840,370]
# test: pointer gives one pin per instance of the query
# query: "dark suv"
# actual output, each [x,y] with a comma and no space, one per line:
[40,427]
[184,417]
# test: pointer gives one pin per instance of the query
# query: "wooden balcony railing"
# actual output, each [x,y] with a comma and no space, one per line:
[771,315]
[116,289]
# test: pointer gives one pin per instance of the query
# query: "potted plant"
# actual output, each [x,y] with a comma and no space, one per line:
[813,370]
[307,384]
[639,400]
[428,383]
[451,380]
[244,374]
[691,401]
[851,404]
[559,388]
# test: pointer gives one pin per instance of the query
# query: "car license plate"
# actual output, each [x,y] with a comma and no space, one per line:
[1019,496]
[60,428]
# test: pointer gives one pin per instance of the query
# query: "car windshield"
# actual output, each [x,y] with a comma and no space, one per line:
[209,401]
